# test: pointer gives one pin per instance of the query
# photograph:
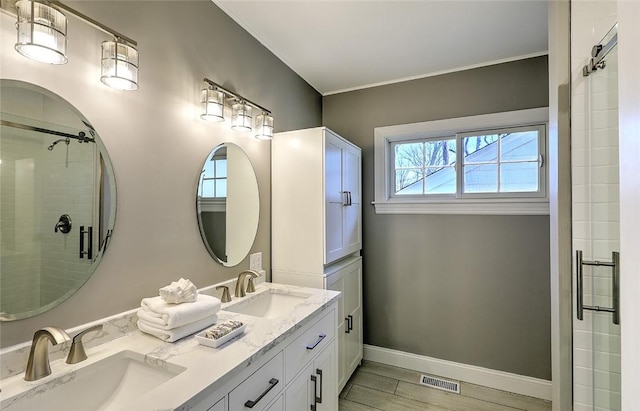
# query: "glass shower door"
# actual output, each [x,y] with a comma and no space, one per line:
[596,237]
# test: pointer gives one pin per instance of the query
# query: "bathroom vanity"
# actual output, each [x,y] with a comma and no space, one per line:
[286,359]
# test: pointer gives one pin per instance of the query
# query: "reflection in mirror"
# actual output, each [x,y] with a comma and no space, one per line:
[228,204]
[58,202]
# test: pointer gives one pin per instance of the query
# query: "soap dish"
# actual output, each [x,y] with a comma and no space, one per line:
[220,333]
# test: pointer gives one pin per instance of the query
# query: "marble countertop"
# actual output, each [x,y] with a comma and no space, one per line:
[206,368]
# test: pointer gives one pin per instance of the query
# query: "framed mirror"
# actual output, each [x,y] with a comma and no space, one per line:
[58,202]
[228,204]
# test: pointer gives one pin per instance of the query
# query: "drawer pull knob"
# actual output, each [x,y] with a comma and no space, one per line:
[272,383]
[320,338]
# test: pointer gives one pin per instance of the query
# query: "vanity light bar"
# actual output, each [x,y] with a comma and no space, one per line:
[42,36]
[213,103]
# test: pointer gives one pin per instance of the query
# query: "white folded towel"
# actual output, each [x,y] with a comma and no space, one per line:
[177,333]
[181,291]
[155,311]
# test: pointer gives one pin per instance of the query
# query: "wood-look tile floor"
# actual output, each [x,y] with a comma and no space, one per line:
[375,387]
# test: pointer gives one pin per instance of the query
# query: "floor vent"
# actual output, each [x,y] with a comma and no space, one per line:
[439,383]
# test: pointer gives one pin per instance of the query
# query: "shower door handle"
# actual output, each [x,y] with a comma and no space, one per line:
[89,233]
[615,282]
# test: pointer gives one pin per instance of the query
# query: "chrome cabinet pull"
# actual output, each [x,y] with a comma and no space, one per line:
[615,266]
[320,338]
[89,233]
[272,383]
[319,399]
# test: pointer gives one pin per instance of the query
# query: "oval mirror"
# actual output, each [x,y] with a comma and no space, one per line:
[228,204]
[58,200]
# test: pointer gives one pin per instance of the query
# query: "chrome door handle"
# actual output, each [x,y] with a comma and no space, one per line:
[615,266]
[272,383]
[89,233]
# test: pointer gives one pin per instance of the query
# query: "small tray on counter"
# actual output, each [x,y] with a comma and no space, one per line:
[209,336]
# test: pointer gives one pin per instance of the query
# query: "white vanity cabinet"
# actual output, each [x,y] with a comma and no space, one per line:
[275,381]
[315,196]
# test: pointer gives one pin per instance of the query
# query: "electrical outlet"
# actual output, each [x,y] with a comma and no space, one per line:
[255,261]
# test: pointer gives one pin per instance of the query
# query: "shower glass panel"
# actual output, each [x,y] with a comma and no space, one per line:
[43,177]
[596,233]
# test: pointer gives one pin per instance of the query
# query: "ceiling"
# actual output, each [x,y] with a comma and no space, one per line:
[341,45]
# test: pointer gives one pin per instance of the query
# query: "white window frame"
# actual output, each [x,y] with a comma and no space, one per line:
[501,204]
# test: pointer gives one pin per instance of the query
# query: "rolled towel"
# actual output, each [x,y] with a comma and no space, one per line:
[179,332]
[155,311]
[181,291]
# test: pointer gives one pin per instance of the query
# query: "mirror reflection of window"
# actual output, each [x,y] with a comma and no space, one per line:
[214,176]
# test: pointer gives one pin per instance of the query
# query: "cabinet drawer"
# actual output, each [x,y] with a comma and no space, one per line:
[304,348]
[261,387]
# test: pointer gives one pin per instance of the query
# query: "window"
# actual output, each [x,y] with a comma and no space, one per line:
[490,164]
[214,177]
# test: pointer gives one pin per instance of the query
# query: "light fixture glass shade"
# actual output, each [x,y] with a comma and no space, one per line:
[241,116]
[119,65]
[42,32]
[212,103]
[264,127]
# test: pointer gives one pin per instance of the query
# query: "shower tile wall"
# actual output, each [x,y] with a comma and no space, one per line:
[595,227]
[68,176]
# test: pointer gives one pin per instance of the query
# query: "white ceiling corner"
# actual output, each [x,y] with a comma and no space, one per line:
[341,45]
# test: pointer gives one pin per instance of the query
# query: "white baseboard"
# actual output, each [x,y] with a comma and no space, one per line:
[519,384]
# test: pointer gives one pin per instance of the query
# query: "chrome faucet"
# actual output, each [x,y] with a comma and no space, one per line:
[240,282]
[38,363]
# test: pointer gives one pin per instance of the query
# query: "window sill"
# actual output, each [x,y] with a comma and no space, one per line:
[468,207]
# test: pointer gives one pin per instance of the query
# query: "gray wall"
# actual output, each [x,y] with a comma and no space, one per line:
[469,289]
[157,143]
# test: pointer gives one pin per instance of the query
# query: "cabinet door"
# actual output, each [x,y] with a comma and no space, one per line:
[352,351]
[353,343]
[336,283]
[351,183]
[298,396]
[335,199]
[326,380]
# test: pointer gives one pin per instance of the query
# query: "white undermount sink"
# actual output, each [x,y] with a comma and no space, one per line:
[108,384]
[269,303]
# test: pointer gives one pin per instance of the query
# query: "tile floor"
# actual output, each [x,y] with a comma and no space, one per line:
[375,387]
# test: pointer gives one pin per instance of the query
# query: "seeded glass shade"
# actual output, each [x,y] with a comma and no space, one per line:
[119,65]
[42,32]
[241,116]
[212,103]
[264,127]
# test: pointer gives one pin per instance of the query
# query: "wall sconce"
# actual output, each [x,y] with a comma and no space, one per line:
[212,103]
[42,36]
[119,65]
[42,32]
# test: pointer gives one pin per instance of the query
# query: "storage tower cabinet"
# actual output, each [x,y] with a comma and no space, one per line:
[317,225]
